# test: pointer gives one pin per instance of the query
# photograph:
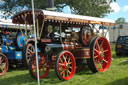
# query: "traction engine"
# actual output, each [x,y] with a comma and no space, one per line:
[65,42]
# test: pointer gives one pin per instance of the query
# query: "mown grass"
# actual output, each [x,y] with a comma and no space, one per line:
[117,74]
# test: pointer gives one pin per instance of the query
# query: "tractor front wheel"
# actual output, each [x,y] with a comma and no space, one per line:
[28,51]
[65,65]
[43,66]
[3,64]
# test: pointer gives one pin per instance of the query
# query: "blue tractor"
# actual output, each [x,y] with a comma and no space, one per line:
[12,39]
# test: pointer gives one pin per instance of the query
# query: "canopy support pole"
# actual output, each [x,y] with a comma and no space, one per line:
[35,43]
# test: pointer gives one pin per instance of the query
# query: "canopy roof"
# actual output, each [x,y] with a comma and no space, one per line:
[11,26]
[26,17]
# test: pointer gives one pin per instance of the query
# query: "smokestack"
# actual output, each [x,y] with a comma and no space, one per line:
[50,5]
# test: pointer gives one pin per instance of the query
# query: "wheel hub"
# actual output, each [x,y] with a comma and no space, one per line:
[64,65]
[101,55]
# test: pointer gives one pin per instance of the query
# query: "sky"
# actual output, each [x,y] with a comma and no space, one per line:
[120,9]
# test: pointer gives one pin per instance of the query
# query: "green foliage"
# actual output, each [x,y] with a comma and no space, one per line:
[96,8]
[120,20]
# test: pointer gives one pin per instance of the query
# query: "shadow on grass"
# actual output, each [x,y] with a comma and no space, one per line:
[123,81]
[15,80]
[26,79]
[123,62]
[84,70]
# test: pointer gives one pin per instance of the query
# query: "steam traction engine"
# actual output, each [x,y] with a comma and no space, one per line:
[64,41]
[12,39]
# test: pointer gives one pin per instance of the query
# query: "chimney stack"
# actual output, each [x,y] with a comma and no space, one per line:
[50,5]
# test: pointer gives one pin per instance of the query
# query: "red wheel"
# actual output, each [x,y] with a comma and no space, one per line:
[3,64]
[65,65]
[28,51]
[43,66]
[100,55]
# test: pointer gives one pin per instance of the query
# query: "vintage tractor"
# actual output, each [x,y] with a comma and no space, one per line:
[12,39]
[65,42]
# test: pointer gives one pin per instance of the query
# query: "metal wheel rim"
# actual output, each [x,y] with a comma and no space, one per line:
[3,64]
[29,52]
[43,66]
[66,66]
[102,54]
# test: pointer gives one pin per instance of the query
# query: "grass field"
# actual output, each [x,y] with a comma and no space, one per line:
[117,74]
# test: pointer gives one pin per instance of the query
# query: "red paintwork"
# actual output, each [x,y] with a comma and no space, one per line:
[63,65]
[102,53]
[3,60]
[42,62]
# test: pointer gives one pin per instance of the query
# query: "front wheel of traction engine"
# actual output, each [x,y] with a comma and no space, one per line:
[28,51]
[65,65]
[3,64]
[100,53]
[43,66]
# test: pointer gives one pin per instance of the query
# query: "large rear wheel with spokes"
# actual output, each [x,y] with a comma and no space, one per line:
[100,55]
[65,65]
[3,64]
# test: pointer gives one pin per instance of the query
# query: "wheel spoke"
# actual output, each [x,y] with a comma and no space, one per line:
[70,67]
[43,69]
[3,66]
[33,67]
[64,58]
[0,60]
[61,60]
[32,48]
[62,72]
[69,60]
[105,50]
[96,50]
[98,45]
[105,60]
[96,61]
[96,56]
[100,65]
[0,67]
[68,71]
[101,44]
[60,68]
[30,51]
[61,64]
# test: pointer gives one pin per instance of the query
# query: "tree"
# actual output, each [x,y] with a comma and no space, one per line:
[120,20]
[95,8]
